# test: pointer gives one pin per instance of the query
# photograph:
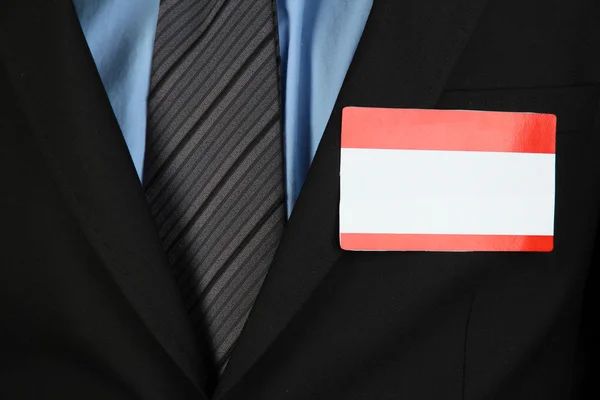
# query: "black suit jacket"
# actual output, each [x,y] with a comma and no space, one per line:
[88,308]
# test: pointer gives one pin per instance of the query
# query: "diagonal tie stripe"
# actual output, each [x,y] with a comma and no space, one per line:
[213,172]
[202,148]
[202,68]
[192,91]
[228,203]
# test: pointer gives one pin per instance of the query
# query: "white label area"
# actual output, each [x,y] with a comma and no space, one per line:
[446,192]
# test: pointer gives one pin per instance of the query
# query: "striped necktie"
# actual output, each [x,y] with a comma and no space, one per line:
[213,171]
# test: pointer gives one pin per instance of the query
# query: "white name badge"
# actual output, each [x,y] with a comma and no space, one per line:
[447,180]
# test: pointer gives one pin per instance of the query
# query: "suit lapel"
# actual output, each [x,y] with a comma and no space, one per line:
[61,92]
[404,58]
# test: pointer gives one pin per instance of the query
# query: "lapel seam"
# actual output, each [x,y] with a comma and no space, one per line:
[455,49]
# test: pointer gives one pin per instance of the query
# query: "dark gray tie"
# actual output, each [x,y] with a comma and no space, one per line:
[213,170]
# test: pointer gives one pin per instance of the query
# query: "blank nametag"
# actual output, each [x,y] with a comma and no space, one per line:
[447,180]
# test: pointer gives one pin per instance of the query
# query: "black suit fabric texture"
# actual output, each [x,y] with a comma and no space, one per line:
[88,308]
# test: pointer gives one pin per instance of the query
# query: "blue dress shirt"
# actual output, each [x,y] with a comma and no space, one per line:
[120,35]
[317,40]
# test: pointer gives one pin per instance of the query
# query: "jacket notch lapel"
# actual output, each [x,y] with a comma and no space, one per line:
[405,56]
[72,120]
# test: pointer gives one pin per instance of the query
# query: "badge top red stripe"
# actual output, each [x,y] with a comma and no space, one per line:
[452,130]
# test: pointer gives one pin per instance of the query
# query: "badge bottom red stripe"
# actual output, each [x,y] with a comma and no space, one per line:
[427,242]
